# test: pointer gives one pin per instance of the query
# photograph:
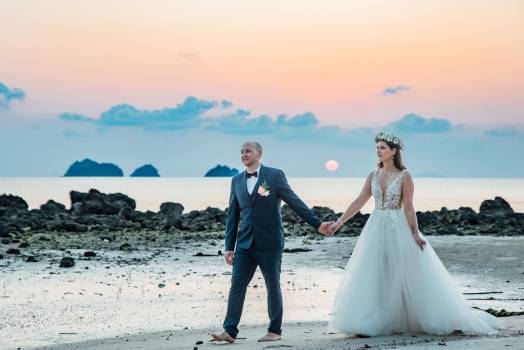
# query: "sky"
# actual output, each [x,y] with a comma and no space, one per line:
[181,84]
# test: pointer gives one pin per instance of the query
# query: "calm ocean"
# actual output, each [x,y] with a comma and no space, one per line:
[200,192]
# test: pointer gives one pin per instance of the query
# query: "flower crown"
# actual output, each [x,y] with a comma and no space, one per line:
[389,138]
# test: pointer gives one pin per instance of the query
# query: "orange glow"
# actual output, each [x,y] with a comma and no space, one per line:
[333,59]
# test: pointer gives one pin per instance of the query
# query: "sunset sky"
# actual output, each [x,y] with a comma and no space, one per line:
[79,78]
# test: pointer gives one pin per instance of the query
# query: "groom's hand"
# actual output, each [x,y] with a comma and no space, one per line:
[324,228]
[229,257]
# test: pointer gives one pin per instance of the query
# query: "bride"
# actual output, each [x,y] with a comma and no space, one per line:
[394,281]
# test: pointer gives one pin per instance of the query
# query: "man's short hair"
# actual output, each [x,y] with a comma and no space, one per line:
[257,145]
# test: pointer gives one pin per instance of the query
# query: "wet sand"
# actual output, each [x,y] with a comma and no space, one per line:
[153,292]
[307,335]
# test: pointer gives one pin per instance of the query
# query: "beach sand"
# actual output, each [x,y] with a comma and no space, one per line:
[309,335]
[145,299]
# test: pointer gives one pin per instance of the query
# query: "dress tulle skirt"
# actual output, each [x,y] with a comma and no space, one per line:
[390,285]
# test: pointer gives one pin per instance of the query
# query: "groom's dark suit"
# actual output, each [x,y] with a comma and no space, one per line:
[259,240]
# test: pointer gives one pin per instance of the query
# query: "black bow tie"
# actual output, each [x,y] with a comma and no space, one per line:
[252,174]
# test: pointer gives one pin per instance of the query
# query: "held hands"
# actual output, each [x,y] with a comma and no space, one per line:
[326,228]
[335,226]
[330,227]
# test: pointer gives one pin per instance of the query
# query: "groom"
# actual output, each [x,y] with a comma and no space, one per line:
[254,205]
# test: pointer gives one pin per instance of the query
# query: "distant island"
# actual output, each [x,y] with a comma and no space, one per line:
[88,167]
[221,170]
[145,170]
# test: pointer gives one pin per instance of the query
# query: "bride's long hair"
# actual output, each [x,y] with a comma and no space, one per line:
[397,157]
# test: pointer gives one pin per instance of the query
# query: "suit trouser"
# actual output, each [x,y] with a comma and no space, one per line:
[245,263]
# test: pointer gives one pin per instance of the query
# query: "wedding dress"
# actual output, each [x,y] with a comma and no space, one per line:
[390,285]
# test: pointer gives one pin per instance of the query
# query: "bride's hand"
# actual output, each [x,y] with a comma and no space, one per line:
[420,242]
[335,226]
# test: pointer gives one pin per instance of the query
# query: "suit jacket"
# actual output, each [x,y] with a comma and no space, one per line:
[260,216]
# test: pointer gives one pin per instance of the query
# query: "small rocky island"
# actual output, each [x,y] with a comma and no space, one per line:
[221,171]
[146,170]
[88,167]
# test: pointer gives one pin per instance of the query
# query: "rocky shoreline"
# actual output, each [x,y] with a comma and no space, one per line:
[96,220]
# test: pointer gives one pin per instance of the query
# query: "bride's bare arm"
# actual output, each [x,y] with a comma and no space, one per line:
[408,188]
[356,205]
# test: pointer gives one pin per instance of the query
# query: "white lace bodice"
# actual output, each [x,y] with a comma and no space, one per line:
[391,198]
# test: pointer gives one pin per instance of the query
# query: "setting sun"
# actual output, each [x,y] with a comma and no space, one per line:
[331,165]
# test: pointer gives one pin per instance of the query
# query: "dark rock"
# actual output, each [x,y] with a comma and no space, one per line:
[67,262]
[495,207]
[193,214]
[173,222]
[89,254]
[4,230]
[203,254]
[350,230]
[427,218]
[447,229]
[30,258]
[96,202]
[52,207]
[146,170]
[210,219]
[88,220]
[221,171]
[1,256]
[13,251]
[216,214]
[88,167]
[126,246]
[467,216]
[115,223]
[23,245]
[116,213]
[289,215]
[127,213]
[69,227]
[502,312]
[171,208]
[76,208]
[359,218]
[77,197]
[12,203]
[296,250]
[324,213]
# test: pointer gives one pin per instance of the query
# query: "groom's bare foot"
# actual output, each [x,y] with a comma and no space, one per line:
[223,337]
[270,336]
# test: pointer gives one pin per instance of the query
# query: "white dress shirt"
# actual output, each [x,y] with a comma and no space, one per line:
[252,181]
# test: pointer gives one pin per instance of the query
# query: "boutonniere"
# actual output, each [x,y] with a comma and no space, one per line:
[263,189]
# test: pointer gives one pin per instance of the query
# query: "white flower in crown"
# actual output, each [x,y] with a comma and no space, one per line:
[390,138]
[263,189]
